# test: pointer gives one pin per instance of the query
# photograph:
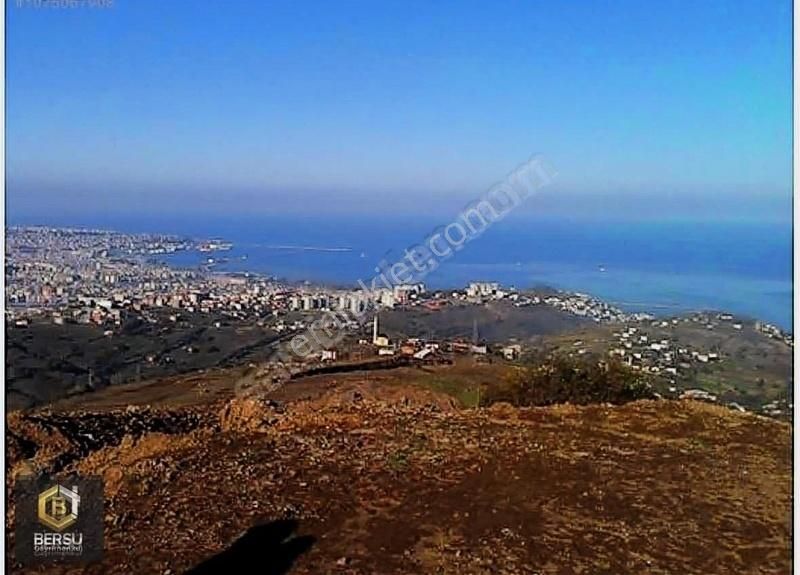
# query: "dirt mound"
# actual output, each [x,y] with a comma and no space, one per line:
[51,442]
[137,457]
[32,447]
[248,414]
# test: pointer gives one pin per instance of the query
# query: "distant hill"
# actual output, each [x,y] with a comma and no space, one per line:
[496,322]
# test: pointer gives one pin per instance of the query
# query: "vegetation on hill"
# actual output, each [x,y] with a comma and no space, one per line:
[562,379]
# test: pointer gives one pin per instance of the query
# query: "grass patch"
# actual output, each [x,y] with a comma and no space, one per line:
[713,382]
[464,390]
[398,461]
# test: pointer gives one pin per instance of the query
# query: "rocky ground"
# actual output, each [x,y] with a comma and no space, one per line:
[364,479]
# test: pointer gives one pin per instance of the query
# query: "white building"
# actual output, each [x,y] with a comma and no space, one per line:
[483,289]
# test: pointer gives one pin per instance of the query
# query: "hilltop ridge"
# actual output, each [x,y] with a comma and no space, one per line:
[391,478]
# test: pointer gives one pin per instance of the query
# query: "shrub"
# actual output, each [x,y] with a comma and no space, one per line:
[561,379]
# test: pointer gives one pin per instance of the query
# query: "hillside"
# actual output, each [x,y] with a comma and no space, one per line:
[381,477]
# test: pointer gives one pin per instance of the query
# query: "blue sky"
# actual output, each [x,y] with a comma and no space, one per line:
[673,108]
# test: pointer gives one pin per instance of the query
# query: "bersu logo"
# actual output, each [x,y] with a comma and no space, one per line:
[58,507]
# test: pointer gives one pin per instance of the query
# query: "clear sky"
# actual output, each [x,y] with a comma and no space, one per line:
[667,108]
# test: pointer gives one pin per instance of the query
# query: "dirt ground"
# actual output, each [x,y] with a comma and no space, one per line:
[370,478]
[214,385]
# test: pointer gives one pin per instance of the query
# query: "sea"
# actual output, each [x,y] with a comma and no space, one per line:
[662,267]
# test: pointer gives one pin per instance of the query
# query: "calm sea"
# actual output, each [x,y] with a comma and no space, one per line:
[661,267]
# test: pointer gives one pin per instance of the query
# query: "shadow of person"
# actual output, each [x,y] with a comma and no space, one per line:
[267,549]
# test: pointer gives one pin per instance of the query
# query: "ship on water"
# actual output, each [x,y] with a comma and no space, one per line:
[214,246]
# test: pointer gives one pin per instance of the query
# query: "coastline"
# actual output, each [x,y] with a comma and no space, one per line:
[634,291]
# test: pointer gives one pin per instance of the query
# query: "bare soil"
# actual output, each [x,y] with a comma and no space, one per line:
[384,478]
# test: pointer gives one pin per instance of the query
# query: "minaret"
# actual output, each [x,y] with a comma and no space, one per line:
[375,330]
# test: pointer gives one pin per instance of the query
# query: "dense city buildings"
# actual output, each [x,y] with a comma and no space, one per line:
[94,276]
